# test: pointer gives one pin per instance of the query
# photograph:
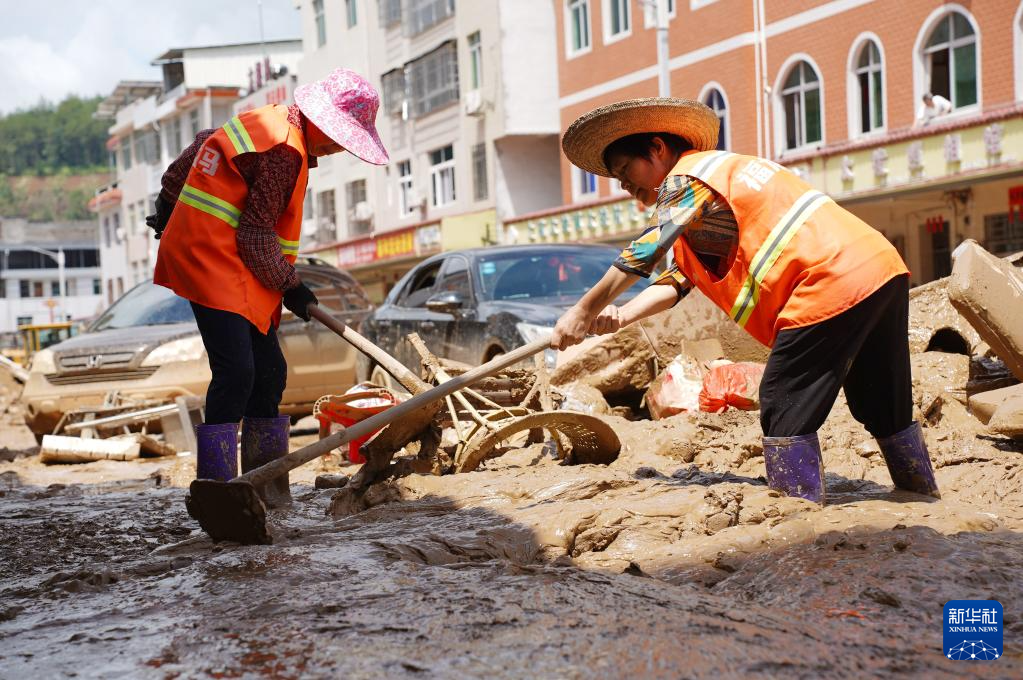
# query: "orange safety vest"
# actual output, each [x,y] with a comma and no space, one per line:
[198,257]
[801,258]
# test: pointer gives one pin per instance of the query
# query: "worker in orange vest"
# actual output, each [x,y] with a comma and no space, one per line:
[229,220]
[826,292]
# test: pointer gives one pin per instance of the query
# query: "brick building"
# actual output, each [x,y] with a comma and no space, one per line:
[832,90]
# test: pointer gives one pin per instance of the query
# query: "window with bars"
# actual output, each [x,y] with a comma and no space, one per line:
[442,176]
[393,83]
[716,101]
[406,204]
[869,78]
[355,202]
[321,23]
[801,99]
[578,26]
[326,217]
[390,12]
[422,14]
[1003,234]
[950,57]
[434,79]
[480,189]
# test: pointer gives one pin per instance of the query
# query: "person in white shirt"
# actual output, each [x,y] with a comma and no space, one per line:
[934,105]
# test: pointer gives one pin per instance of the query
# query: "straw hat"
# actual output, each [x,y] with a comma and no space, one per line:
[587,138]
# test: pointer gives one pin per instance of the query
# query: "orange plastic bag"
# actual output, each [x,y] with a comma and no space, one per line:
[735,385]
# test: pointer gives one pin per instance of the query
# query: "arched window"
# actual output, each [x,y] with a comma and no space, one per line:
[950,60]
[716,101]
[801,105]
[870,81]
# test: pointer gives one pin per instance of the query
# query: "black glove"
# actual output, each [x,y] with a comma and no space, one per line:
[297,299]
[158,222]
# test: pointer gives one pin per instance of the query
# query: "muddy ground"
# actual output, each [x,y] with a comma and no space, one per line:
[674,561]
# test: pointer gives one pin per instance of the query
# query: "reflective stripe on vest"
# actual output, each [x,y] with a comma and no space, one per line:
[771,250]
[239,136]
[222,210]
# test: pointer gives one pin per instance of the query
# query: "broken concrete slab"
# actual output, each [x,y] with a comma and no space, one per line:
[988,292]
[984,405]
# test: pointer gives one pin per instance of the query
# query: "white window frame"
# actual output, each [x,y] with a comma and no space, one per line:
[650,12]
[351,14]
[570,51]
[778,106]
[406,184]
[442,180]
[697,4]
[704,93]
[921,76]
[578,195]
[853,86]
[475,60]
[610,38]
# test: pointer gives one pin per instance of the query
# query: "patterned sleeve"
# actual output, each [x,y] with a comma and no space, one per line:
[271,176]
[681,201]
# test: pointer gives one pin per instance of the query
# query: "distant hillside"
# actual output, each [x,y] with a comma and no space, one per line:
[48,139]
[46,199]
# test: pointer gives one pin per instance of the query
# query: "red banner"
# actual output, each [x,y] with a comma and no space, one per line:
[1016,203]
[935,225]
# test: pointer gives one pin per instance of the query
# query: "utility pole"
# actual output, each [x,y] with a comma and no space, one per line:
[663,72]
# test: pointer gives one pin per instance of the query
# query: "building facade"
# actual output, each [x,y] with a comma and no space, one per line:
[31,274]
[831,89]
[468,114]
[152,122]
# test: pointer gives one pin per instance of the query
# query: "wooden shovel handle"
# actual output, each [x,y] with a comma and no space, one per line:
[275,468]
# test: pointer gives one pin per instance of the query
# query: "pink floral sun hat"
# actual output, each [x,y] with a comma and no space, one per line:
[344,106]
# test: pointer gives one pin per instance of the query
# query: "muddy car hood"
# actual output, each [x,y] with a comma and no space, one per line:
[133,338]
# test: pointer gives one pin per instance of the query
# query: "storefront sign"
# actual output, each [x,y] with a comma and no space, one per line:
[359,252]
[396,245]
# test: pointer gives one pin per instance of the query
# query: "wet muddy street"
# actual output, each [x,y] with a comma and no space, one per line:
[675,560]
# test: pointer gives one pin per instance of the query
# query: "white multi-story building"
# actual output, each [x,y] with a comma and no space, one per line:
[152,122]
[469,114]
[30,272]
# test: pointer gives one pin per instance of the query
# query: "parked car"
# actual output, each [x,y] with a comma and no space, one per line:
[147,346]
[472,305]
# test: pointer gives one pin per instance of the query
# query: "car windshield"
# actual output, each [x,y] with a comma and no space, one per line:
[145,305]
[539,274]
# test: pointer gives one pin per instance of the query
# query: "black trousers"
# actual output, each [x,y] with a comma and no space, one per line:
[249,370]
[865,349]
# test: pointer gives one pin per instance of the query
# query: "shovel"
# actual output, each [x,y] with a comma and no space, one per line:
[233,511]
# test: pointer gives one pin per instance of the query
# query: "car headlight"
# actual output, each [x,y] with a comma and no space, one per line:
[532,331]
[186,349]
[43,362]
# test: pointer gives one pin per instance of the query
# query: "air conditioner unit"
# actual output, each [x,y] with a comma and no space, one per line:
[363,211]
[473,104]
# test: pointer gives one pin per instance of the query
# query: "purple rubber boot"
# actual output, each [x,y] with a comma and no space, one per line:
[908,463]
[264,440]
[794,466]
[217,455]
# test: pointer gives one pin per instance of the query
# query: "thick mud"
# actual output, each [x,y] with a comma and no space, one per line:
[675,560]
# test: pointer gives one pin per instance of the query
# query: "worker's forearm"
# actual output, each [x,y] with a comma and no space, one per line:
[611,285]
[651,301]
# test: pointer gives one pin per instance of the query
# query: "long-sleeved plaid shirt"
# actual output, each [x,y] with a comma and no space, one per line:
[686,208]
[271,177]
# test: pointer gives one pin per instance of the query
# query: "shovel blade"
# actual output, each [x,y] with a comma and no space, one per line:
[229,511]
